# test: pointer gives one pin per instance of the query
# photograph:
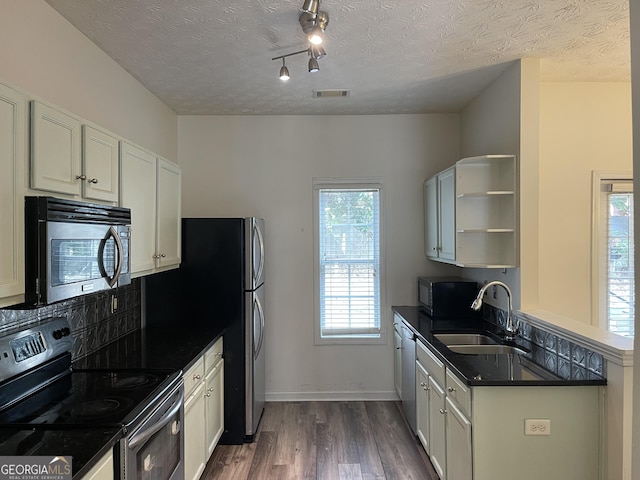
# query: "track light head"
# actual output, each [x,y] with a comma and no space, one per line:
[284,72]
[311,6]
[313,65]
[317,51]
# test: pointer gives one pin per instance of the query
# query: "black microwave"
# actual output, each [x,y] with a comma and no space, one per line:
[74,248]
[447,297]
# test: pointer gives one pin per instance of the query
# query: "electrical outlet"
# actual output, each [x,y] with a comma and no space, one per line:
[537,426]
[114,304]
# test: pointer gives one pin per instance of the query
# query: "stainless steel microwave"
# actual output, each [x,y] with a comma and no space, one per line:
[74,248]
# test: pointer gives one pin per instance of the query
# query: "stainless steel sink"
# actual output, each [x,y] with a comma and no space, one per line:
[470,339]
[495,349]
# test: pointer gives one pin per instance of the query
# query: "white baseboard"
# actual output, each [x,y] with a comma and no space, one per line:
[330,396]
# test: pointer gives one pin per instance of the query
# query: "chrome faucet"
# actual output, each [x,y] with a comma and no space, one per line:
[511,330]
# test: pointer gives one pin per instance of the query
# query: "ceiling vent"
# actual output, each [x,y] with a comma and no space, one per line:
[331,93]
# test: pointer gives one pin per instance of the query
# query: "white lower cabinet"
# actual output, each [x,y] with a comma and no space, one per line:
[478,433]
[458,440]
[214,396]
[194,426]
[437,428]
[103,470]
[422,406]
[203,410]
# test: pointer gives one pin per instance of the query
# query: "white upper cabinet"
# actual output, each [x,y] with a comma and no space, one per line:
[440,227]
[55,151]
[70,159]
[151,187]
[169,197]
[138,192]
[12,160]
[471,213]
[100,156]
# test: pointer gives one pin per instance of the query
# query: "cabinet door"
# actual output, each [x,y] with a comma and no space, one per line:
[194,434]
[447,213]
[397,361]
[437,428]
[12,160]
[138,192]
[422,405]
[431,227]
[459,452]
[101,165]
[103,470]
[55,151]
[214,406]
[168,223]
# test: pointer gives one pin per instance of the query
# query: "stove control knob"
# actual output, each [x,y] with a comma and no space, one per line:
[66,332]
[57,334]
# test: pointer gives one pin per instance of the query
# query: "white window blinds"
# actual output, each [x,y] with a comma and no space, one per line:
[348,231]
[620,257]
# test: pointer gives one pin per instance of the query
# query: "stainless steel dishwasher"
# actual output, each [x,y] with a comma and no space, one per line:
[409,376]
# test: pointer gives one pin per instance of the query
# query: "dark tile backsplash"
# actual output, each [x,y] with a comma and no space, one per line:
[92,321]
[552,352]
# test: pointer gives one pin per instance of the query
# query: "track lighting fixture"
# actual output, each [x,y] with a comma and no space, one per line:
[313,23]
[284,72]
[313,65]
[311,6]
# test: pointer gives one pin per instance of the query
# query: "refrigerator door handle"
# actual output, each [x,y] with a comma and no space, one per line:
[260,340]
[260,266]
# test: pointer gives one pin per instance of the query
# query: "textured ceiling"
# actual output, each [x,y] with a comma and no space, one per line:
[395,56]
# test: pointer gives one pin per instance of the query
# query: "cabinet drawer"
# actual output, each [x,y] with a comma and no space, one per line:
[194,376]
[213,355]
[429,361]
[459,393]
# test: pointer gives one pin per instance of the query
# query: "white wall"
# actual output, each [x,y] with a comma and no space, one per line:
[490,124]
[264,166]
[44,55]
[584,127]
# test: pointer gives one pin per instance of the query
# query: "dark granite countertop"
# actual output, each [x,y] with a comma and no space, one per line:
[483,370]
[152,347]
[85,446]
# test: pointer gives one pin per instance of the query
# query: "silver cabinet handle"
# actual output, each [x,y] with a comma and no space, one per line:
[93,180]
[196,377]
[207,394]
[443,411]
[81,177]
[422,384]
[451,389]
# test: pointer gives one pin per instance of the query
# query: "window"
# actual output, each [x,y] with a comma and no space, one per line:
[349,276]
[616,255]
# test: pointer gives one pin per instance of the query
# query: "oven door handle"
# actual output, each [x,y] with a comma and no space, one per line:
[142,436]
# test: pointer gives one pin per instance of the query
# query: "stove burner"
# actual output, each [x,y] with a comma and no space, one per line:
[133,381]
[96,408]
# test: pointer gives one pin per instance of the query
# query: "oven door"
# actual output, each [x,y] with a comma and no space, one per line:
[85,258]
[154,449]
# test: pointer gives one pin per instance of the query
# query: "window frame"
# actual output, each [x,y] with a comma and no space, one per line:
[599,242]
[344,184]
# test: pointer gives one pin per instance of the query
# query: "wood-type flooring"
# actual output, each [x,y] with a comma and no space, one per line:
[325,441]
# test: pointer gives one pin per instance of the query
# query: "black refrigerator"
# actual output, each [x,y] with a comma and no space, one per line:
[221,279]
